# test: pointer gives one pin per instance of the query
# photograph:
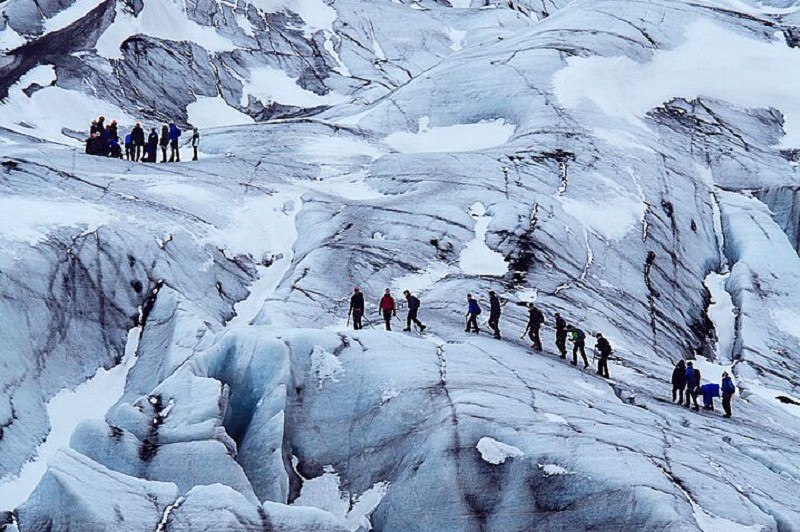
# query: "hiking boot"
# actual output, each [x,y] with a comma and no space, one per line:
[573,363]
[563,356]
[496,336]
[422,328]
[407,329]
[585,366]
[727,415]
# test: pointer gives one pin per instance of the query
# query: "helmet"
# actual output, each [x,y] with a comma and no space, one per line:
[725,374]
[356,289]
[598,335]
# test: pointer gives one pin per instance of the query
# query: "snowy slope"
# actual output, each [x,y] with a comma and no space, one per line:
[630,164]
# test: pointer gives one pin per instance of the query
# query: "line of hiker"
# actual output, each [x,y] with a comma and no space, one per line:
[104,140]
[687,385]
[388,309]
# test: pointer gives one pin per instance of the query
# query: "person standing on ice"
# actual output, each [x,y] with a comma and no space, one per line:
[152,146]
[678,381]
[494,314]
[561,335]
[128,151]
[174,136]
[692,385]
[195,142]
[604,349]
[387,308]
[579,344]
[535,320]
[356,308]
[413,308]
[473,310]
[164,142]
[728,389]
[137,141]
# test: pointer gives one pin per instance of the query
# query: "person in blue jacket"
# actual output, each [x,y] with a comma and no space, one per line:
[692,385]
[174,135]
[128,147]
[709,391]
[473,309]
[728,389]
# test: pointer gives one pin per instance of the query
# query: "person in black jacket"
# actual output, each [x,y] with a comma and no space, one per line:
[137,141]
[494,313]
[678,381]
[356,303]
[152,146]
[561,335]
[164,142]
[535,320]
[604,349]
[413,308]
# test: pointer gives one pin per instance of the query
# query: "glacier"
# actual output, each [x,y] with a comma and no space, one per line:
[175,345]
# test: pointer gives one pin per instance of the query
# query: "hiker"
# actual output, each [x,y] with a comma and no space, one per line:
[692,385]
[101,126]
[387,307]
[113,134]
[128,146]
[473,310]
[356,306]
[709,391]
[196,144]
[93,128]
[728,389]
[94,144]
[174,135]
[535,320]
[114,149]
[561,335]
[494,313]
[413,308]
[603,347]
[678,381]
[164,142]
[152,146]
[579,344]
[137,141]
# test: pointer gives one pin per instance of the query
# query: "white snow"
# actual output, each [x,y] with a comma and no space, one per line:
[76,11]
[476,258]
[325,149]
[214,111]
[316,14]
[456,38]
[712,62]
[89,401]
[258,225]
[325,365]
[10,39]
[31,220]
[620,214]
[496,452]
[268,84]
[460,4]
[163,19]
[36,115]
[425,279]
[554,470]
[722,313]
[454,138]
[324,492]
[555,418]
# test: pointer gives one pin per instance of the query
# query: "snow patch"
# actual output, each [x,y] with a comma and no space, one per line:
[316,14]
[208,112]
[30,220]
[620,214]
[551,470]
[722,313]
[271,85]
[66,410]
[455,138]
[496,452]
[324,492]
[162,19]
[554,418]
[325,365]
[712,62]
[10,39]
[476,258]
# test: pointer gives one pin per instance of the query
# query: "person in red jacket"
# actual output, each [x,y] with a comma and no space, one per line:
[387,307]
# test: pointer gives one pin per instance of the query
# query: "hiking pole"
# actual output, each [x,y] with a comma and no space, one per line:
[348,320]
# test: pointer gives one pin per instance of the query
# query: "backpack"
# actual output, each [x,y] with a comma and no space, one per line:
[413,303]
[728,387]
[696,377]
[581,334]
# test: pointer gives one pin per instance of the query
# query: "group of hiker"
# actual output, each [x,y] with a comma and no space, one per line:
[388,309]
[104,140]
[686,381]
[687,385]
